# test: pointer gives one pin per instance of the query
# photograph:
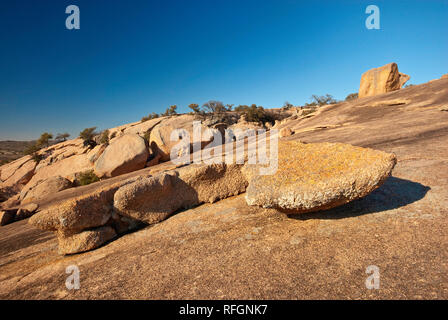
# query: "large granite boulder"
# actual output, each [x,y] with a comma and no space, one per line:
[70,218]
[150,199]
[68,168]
[318,176]
[381,80]
[125,154]
[153,199]
[74,215]
[16,174]
[26,211]
[44,188]
[85,241]
[160,136]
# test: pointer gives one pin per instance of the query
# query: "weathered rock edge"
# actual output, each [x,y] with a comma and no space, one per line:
[79,222]
[318,176]
[87,222]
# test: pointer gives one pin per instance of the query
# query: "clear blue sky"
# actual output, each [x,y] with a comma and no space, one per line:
[134,57]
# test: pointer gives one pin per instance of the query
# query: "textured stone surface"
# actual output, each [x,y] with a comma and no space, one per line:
[8,170]
[381,80]
[210,182]
[6,217]
[153,199]
[160,136]
[96,152]
[286,132]
[150,199]
[44,188]
[125,154]
[229,250]
[66,167]
[77,214]
[18,173]
[26,211]
[313,177]
[85,241]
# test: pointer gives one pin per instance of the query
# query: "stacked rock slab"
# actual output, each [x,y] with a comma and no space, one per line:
[26,211]
[155,198]
[318,176]
[310,177]
[86,240]
[70,219]
[7,217]
[381,80]
[125,154]
[79,222]
[44,188]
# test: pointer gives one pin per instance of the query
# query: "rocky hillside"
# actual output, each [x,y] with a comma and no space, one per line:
[127,148]
[12,150]
[199,237]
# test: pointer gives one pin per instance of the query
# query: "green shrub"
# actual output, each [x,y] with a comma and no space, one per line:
[147,135]
[87,177]
[287,105]
[62,136]
[150,117]
[195,108]
[214,107]
[321,100]
[309,110]
[44,139]
[104,139]
[87,135]
[170,111]
[254,113]
[32,150]
[37,157]
[352,96]
[229,107]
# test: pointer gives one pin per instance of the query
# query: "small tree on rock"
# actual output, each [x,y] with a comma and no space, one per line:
[321,100]
[62,137]
[33,151]
[352,96]
[214,107]
[195,108]
[104,139]
[287,105]
[44,139]
[87,136]
[170,111]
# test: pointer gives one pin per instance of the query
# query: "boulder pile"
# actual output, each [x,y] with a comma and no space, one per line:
[125,154]
[310,177]
[129,148]
[86,222]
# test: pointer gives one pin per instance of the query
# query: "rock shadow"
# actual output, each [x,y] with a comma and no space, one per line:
[393,194]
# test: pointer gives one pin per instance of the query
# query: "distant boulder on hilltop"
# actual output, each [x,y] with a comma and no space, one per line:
[381,80]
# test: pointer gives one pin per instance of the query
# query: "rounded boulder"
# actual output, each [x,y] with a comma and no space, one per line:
[125,154]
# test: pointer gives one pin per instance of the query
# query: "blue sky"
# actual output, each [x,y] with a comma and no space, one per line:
[134,57]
